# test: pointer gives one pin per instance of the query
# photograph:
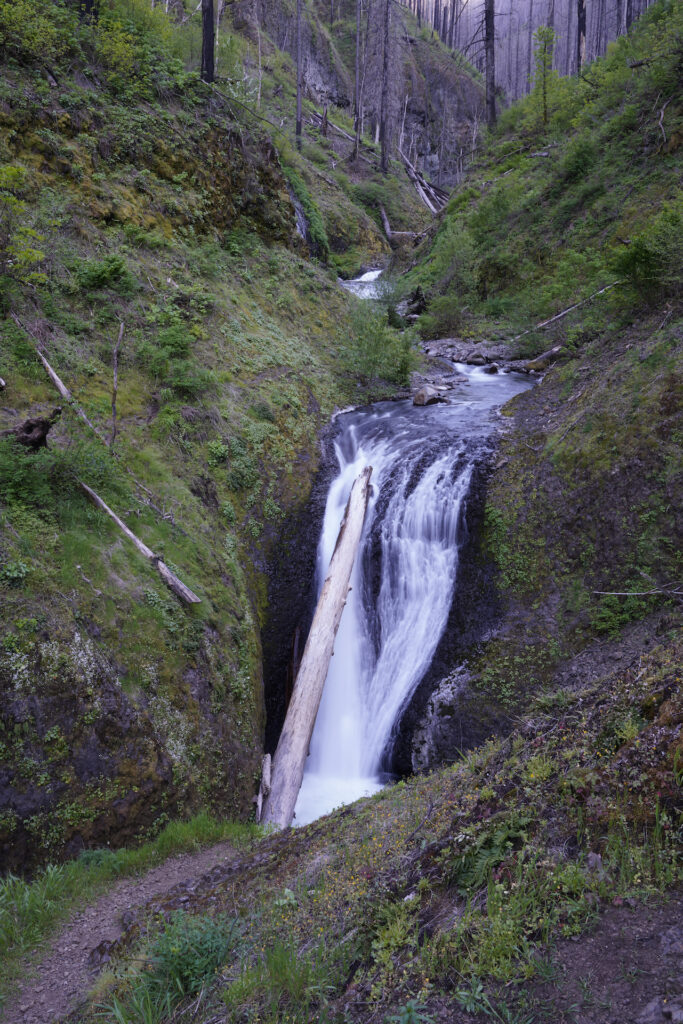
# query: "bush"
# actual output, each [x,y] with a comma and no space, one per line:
[110,272]
[373,349]
[188,952]
[653,263]
[36,30]
[580,157]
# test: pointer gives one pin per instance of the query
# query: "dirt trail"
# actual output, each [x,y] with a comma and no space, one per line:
[71,963]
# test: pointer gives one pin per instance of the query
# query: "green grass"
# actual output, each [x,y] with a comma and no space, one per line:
[31,911]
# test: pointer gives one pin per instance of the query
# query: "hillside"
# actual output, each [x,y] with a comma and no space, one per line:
[136,199]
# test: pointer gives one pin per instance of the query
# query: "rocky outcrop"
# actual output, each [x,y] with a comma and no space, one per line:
[82,766]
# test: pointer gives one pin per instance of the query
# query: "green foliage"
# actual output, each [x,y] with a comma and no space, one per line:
[218,453]
[413,1012]
[373,349]
[479,856]
[33,30]
[20,252]
[188,952]
[13,574]
[110,272]
[318,235]
[653,261]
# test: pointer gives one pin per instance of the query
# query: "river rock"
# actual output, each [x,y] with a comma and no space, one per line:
[491,368]
[427,395]
[476,359]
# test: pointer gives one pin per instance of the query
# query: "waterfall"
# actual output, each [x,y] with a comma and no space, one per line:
[404,578]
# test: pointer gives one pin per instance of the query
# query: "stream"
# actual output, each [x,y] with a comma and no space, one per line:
[404,578]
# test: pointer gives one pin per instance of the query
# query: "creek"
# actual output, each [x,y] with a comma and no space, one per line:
[405,574]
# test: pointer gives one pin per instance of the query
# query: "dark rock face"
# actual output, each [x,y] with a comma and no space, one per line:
[81,765]
[291,594]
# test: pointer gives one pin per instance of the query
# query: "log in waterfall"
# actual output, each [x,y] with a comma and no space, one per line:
[292,748]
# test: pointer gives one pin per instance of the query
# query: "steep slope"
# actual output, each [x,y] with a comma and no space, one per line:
[133,198]
[581,522]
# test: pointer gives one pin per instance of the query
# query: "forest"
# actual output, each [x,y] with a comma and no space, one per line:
[341,385]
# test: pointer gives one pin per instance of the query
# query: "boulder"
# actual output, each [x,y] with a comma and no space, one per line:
[492,368]
[427,395]
[476,359]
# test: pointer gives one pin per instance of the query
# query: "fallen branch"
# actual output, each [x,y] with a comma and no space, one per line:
[58,383]
[292,749]
[546,323]
[678,592]
[169,578]
[396,236]
[115,387]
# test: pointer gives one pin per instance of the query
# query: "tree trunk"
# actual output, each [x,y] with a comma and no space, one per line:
[292,748]
[568,66]
[451,25]
[580,34]
[356,93]
[208,29]
[419,13]
[629,14]
[169,578]
[32,433]
[490,46]
[299,74]
[384,110]
[530,32]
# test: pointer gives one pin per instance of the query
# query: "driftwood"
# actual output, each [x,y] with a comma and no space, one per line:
[115,385]
[546,323]
[396,238]
[292,748]
[169,578]
[58,383]
[434,197]
[32,433]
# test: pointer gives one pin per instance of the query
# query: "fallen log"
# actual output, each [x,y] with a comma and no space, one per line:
[395,238]
[57,381]
[169,578]
[292,749]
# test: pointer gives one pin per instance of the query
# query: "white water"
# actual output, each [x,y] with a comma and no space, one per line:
[367,286]
[404,577]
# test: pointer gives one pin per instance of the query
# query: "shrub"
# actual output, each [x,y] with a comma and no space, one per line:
[188,952]
[373,349]
[653,262]
[580,156]
[36,30]
[110,272]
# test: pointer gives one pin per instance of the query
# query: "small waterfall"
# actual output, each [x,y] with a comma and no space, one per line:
[300,217]
[367,286]
[404,578]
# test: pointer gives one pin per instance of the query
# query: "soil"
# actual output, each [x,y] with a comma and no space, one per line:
[70,965]
[626,970]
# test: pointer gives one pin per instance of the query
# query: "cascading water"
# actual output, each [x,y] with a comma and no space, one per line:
[404,577]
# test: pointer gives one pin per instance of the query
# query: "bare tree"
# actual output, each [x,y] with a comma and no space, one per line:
[490,47]
[299,74]
[384,109]
[208,41]
[580,35]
